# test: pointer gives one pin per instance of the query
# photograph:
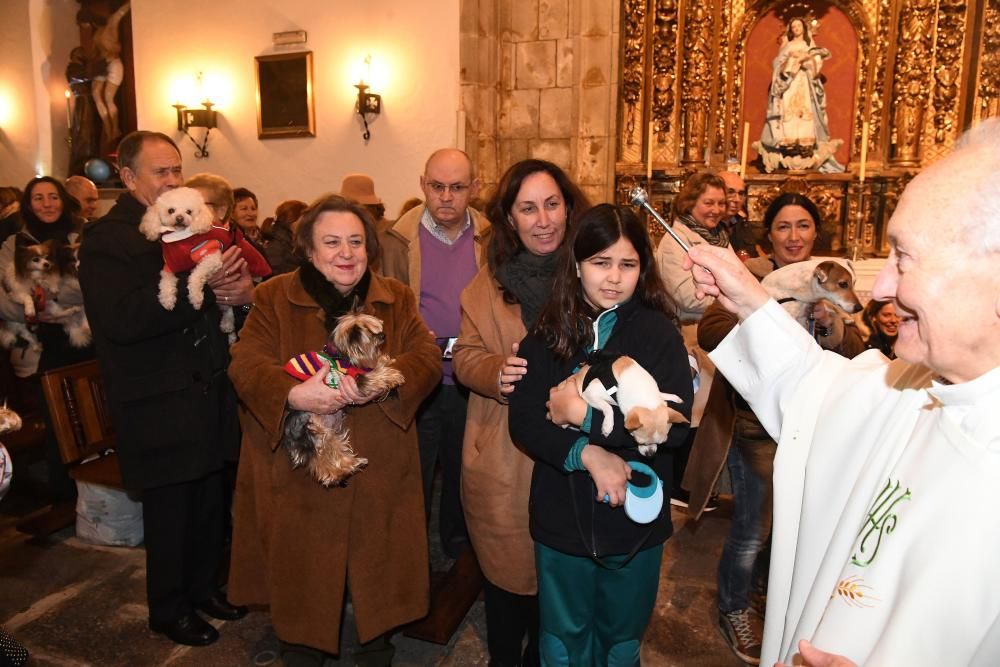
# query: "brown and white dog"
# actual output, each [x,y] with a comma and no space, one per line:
[647,416]
[76,326]
[322,443]
[30,280]
[800,285]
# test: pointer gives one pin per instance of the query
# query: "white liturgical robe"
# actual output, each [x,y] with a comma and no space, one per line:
[886,521]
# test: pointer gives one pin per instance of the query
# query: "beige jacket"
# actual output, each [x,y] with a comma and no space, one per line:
[399,253]
[496,475]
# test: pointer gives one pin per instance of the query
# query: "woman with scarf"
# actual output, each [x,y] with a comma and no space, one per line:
[534,206]
[299,546]
[48,213]
[697,213]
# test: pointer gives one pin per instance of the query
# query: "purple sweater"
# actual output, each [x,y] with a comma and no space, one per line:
[445,270]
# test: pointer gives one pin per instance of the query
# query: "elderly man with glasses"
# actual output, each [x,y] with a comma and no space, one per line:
[437,249]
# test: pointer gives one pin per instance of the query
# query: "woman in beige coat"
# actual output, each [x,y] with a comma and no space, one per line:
[299,546]
[534,203]
[696,213]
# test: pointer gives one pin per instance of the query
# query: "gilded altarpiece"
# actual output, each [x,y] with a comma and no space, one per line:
[916,72]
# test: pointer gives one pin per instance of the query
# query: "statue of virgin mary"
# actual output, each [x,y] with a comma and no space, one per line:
[796,133]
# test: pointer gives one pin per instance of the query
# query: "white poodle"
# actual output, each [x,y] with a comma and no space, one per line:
[182,222]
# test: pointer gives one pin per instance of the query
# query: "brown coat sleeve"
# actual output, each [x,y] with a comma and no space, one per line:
[714,326]
[256,371]
[476,366]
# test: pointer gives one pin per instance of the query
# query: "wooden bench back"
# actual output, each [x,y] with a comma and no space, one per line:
[81,416]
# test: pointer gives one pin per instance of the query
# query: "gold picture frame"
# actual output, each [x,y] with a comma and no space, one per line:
[285,95]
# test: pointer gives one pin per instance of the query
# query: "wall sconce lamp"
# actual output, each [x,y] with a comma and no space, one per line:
[368,103]
[205,117]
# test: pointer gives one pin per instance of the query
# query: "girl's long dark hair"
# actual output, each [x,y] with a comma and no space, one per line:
[565,322]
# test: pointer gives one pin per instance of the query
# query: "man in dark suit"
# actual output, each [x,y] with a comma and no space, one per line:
[173,407]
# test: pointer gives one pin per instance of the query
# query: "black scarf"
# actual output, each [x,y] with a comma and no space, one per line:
[717,237]
[529,278]
[333,303]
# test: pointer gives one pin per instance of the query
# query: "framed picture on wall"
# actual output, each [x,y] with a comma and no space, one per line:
[285,96]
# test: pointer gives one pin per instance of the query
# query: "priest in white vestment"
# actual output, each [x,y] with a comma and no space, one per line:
[886,521]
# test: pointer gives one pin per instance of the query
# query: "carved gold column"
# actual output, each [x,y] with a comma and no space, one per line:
[633,36]
[696,90]
[664,67]
[988,90]
[948,66]
[912,81]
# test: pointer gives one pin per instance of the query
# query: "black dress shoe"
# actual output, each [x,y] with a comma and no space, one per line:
[190,630]
[218,607]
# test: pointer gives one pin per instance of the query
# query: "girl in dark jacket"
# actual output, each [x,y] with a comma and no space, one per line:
[598,570]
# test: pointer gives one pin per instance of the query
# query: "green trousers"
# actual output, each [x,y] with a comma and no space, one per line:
[593,615]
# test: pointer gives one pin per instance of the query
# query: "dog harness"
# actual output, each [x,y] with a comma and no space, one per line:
[600,369]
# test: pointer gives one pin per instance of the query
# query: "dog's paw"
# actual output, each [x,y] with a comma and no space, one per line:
[647,450]
[197,299]
[79,336]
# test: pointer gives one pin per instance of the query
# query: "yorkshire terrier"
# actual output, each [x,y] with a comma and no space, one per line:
[322,442]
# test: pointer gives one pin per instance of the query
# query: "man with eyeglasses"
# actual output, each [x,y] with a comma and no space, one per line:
[437,250]
[740,235]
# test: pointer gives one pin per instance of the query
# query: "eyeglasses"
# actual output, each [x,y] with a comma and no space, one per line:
[454,188]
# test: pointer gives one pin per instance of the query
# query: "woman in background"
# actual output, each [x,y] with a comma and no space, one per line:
[48,214]
[280,250]
[534,206]
[697,213]
[244,215]
[881,319]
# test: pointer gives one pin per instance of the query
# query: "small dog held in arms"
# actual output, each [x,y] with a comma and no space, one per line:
[799,286]
[322,443]
[607,380]
[33,280]
[182,222]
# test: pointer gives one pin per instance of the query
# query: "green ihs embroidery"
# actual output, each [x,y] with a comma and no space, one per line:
[881,521]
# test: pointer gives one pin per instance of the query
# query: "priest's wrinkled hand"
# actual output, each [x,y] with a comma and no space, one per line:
[725,278]
[810,656]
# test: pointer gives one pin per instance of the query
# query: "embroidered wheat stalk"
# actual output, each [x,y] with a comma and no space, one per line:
[855,592]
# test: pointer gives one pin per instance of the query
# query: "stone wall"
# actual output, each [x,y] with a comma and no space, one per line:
[539,79]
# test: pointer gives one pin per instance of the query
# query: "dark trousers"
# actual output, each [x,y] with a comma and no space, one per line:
[509,619]
[184,536]
[440,430]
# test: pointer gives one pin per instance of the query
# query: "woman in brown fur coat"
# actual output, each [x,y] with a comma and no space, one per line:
[299,546]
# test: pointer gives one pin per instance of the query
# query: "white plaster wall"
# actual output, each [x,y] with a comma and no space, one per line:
[417,42]
[36,37]
[18,120]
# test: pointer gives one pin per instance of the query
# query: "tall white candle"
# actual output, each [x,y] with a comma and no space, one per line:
[864,151]
[743,152]
[649,154]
